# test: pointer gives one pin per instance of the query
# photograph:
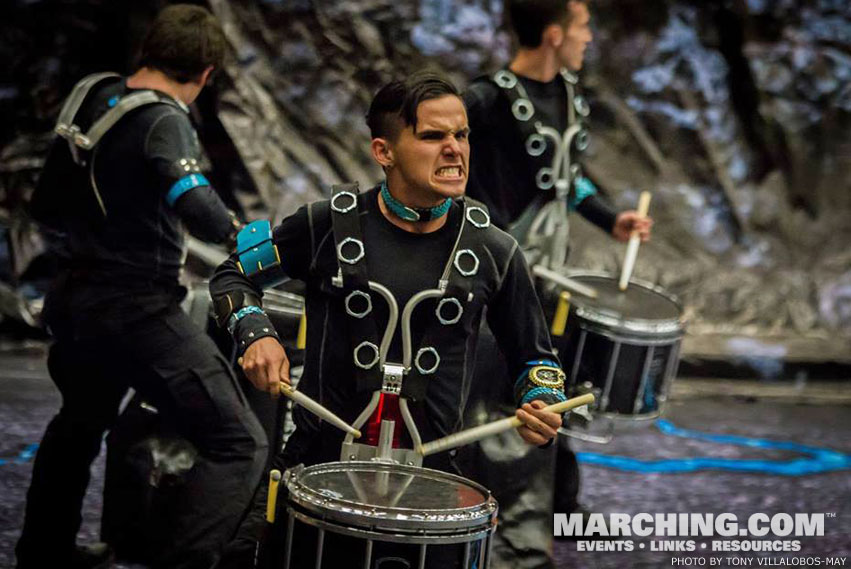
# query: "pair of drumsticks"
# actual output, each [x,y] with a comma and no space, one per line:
[458,439]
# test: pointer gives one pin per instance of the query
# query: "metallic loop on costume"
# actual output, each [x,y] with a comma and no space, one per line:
[345,208]
[471,272]
[547,376]
[536,145]
[582,139]
[505,79]
[420,353]
[544,178]
[439,311]
[372,362]
[580,103]
[350,260]
[354,294]
[471,218]
[522,109]
[569,76]
[575,170]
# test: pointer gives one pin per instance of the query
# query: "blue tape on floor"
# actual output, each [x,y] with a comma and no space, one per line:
[819,459]
[25,455]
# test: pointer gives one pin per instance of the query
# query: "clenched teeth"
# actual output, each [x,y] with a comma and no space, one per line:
[450,171]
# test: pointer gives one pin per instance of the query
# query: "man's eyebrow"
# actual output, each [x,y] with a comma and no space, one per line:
[442,131]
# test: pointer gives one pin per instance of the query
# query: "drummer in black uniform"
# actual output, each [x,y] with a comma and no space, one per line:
[413,232]
[527,128]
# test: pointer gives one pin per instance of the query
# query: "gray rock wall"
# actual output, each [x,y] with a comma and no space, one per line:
[734,114]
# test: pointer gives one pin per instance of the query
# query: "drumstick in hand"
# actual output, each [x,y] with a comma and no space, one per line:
[488,429]
[317,409]
[634,240]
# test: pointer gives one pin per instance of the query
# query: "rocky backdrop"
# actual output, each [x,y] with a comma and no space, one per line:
[735,114]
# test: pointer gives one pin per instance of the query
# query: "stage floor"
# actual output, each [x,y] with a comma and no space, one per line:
[643,470]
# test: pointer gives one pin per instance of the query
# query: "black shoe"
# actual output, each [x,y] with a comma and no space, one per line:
[94,556]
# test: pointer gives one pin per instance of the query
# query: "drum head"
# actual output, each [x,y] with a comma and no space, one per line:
[641,308]
[390,496]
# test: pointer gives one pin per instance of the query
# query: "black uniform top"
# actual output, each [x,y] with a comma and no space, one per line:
[126,262]
[405,263]
[502,174]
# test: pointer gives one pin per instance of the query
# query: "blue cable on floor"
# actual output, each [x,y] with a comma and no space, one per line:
[819,459]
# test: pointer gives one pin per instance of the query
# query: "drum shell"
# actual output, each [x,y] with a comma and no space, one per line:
[629,363]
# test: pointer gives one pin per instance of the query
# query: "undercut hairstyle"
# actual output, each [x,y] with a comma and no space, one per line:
[529,18]
[395,105]
[183,41]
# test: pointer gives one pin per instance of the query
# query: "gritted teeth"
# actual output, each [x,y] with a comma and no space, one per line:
[451,171]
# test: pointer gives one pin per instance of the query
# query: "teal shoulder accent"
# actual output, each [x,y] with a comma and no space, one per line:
[582,188]
[258,255]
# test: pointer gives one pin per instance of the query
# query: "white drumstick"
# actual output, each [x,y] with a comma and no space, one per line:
[634,241]
[318,410]
[563,281]
[315,408]
[488,429]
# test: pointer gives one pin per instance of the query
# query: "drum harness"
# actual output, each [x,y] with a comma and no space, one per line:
[549,230]
[408,379]
[83,145]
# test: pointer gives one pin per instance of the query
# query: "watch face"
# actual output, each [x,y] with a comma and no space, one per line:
[548,376]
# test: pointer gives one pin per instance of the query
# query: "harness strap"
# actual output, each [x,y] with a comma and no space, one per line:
[358,299]
[452,309]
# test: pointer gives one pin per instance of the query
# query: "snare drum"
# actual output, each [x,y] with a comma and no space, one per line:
[622,346]
[375,515]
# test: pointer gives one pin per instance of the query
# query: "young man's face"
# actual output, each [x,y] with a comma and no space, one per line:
[432,162]
[577,36]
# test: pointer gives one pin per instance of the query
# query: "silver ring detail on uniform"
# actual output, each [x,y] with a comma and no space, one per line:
[373,347]
[420,353]
[536,144]
[582,140]
[575,169]
[350,260]
[505,79]
[522,109]
[346,208]
[544,178]
[580,103]
[439,311]
[479,224]
[352,312]
[475,268]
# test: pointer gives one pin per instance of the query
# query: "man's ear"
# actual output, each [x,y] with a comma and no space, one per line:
[205,75]
[381,152]
[553,35]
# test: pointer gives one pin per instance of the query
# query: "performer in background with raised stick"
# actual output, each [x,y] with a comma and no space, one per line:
[412,241]
[528,130]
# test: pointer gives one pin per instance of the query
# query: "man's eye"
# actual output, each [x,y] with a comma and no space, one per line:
[462,135]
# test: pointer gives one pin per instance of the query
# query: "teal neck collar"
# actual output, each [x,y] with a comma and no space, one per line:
[407,213]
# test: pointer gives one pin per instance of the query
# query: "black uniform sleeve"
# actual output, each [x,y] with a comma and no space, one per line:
[172,148]
[229,286]
[517,321]
[599,212]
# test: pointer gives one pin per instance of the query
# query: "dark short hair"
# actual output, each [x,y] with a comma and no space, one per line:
[183,41]
[529,18]
[396,103]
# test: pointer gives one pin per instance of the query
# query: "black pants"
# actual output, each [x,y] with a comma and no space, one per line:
[177,368]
